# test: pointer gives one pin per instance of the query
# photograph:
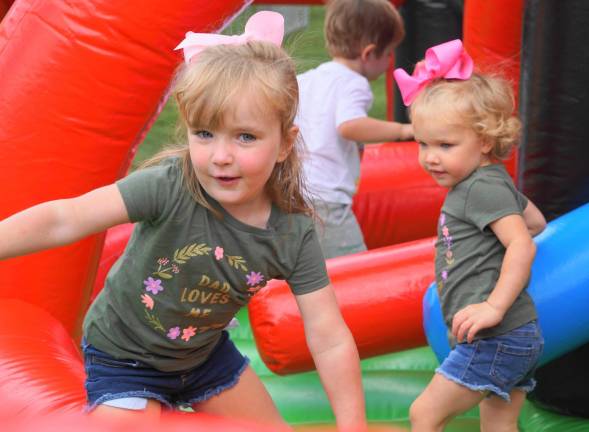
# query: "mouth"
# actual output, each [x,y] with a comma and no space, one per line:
[226,180]
[436,174]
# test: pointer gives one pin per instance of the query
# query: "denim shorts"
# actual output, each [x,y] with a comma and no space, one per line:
[497,364]
[109,379]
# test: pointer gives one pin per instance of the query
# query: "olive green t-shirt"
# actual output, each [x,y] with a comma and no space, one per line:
[469,255]
[185,272]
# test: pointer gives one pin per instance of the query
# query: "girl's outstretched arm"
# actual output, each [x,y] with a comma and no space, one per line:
[520,250]
[56,223]
[336,357]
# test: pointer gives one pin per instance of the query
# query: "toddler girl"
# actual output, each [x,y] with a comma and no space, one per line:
[464,124]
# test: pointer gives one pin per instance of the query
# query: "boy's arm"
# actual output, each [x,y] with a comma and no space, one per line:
[534,219]
[56,223]
[336,357]
[520,250]
[370,130]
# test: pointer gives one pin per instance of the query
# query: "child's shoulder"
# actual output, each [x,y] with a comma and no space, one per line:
[163,178]
[292,223]
[170,167]
[331,70]
[490,175]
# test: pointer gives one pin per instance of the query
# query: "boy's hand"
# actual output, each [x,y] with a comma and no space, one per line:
[406,132]
[468,321]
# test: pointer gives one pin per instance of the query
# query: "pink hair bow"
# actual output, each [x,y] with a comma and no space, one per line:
[447,60]
[262,26]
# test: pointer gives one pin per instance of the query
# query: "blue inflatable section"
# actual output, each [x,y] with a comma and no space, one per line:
[559,286]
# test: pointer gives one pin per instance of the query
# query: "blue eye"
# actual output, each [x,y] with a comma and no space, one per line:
[445,145]
[246,137]
[202,134]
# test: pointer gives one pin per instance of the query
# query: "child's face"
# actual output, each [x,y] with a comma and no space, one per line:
[234,161]
[448,151]
[374,66]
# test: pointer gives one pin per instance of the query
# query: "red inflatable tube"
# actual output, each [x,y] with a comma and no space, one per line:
[379,292]
[397,201]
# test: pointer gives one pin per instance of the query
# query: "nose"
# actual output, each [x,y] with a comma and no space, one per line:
[222,153]
[430,157]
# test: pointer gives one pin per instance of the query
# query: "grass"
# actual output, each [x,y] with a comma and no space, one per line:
[307,47]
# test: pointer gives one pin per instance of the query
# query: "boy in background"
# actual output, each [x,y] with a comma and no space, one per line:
[333,113]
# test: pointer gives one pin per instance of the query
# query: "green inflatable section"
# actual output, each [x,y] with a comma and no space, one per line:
[391,383]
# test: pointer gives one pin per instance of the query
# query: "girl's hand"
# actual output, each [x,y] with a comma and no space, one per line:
[468,321]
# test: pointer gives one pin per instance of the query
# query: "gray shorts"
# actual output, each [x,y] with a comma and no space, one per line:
[338,230]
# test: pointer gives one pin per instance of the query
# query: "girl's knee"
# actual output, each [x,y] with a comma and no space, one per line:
[418,412]
[423,417]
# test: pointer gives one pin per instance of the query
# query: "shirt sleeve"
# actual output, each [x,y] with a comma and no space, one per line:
[490,200]
[147,193]
[354,101]
[310,273]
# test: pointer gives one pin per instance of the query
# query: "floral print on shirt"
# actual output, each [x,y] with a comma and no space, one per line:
[167,268]
[448,255]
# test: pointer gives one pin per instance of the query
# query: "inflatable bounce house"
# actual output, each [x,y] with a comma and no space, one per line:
[81,83]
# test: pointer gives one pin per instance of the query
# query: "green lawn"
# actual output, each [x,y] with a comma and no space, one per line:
[306,47]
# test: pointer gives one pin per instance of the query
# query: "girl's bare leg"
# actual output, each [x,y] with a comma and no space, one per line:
[497,415]
[441,400]
[247,400]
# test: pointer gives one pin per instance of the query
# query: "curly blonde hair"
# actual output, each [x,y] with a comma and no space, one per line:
[484,103]
[351,25]
[205,91]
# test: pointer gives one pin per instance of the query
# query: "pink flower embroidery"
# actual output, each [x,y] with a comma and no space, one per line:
[449,254]
[147,301]
[254,278]
[174,333]
[163,261]
[445,231]
[442,219]
[175,268]
[444,275]
[153,285]
[219,253]
[188,332]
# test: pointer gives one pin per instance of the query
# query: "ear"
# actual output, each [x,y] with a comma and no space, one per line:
[367,51]
[487,147]
[288,142]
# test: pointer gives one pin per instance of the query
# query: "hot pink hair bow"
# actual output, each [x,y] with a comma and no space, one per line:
[262,26]
[447,60]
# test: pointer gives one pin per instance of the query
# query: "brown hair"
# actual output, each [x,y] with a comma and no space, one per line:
[484,103]
[351,25]
[205,90]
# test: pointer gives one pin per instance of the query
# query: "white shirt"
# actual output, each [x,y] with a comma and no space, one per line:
[330,95]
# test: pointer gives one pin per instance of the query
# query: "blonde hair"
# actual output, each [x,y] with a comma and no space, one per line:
[205,91]
[351,25]
[484,103]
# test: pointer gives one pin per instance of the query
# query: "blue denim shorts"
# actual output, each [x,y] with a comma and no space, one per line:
[497,364]
[109,379]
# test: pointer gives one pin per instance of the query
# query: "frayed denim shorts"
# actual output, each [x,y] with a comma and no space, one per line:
[129,383]
[497,364]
